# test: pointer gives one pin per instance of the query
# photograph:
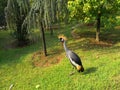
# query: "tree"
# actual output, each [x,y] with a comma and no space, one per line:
[43,14]
[87,10]
[16,14]
[3,4]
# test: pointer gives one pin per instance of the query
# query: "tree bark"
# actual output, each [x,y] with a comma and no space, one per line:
[51,30]
[98,27]
[43,38]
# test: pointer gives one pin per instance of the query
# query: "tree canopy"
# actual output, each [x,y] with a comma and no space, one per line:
[16,14]
[87,10]
[22,15]
[3,4]
[44,13]
[50,11]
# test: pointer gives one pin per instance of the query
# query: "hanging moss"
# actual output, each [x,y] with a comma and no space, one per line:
[16,16]
[49,11]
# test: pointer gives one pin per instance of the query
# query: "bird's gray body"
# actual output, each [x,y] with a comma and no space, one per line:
[73,57]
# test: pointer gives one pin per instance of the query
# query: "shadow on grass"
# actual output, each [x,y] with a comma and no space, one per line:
[109,36]
[11,54]
[16,55]
[90,70]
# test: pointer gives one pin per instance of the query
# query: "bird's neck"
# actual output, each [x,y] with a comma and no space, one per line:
[64,45]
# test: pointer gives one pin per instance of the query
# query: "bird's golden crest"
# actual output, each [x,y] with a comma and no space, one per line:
[62,36]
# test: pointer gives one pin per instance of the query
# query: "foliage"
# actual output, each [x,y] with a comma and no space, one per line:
[118,20]
[87,10]
[16,13]
[76,9]
[47,11]
[3,4]
[95,10]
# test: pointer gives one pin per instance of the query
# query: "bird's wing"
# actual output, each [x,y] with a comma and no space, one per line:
[74,57]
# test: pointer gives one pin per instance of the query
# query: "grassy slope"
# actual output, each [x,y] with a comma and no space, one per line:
[101,65]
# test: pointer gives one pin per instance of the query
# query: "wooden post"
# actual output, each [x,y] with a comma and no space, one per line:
[43,38]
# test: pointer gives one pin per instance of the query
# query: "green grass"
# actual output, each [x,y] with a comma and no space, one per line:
[101,63]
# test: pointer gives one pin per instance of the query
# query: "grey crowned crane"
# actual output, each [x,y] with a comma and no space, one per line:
[73,57]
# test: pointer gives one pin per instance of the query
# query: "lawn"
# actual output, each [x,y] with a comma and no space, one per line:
[25,68]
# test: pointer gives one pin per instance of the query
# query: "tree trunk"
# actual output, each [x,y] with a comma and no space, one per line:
[51,30]
[98,27]
[43,38]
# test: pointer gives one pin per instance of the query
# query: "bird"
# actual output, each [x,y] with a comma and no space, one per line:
[72,56]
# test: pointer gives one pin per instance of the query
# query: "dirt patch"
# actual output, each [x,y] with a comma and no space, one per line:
[39,60]
[100,43]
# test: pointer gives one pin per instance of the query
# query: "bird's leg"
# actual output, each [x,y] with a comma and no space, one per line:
[73,68]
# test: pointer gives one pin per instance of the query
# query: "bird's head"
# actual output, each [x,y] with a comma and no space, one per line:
[62,38]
